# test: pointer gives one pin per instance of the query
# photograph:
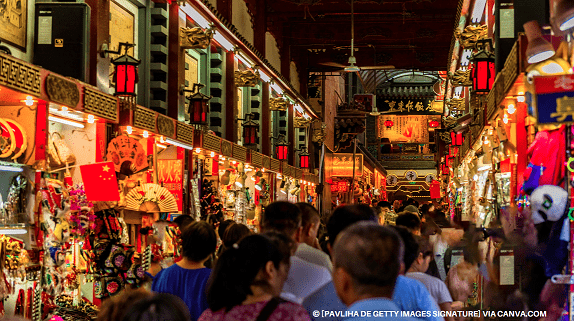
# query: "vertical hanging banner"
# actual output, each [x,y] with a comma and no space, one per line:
[170,176]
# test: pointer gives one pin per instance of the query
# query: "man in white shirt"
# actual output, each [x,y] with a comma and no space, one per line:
[304,278]
[308,248]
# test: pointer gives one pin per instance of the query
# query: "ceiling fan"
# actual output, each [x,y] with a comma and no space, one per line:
[351,67]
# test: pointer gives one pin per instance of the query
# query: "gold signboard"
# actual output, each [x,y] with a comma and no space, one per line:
[343,165]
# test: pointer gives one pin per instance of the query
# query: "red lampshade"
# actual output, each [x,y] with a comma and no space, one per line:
[198,105]
[281,152]
[434,124]
[389,123]
[304,159]
[483,71]
[250,129]
[126,75]
[456,139]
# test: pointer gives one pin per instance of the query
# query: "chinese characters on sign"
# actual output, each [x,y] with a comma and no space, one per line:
[170,175]
[412,129]
[553,102]
[409,106]
[343,165]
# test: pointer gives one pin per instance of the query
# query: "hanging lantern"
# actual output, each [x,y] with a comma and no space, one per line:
[456,139]
[281,148]
[433,124]
[250,129]
[198,107]
[389,124]
[483,68]
[126,72]
[304,158]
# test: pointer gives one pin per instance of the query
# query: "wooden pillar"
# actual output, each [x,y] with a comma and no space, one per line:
[230,98]
[260,26]
[175,65]
[99,34]
[224,7]
[266,121]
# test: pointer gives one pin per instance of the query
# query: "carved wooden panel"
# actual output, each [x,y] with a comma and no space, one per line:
[240,153]
[19,75]
[62,91]
[212,143]
[144,118]
[165,126]
[184,133]
[275,165]
[256,159]
[226,148]
[266,162]
[511,68]
[100,104]
[288,170]
[298,173]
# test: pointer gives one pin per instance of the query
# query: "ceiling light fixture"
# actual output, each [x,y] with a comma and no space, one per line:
[564,14]
[539,49]
[65,121]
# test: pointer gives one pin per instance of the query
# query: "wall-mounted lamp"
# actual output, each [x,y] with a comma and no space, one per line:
[564,17]
[250,129]
[539,49]
[281,147]
[483,67]
[198,107]
[303,157]
[126,69]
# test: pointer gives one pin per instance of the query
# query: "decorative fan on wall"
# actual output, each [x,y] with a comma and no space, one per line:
[127,154]
[151,198]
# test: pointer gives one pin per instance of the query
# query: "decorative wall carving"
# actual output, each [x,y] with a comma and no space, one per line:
[319,134]
[301,122]
[455,104]
[18,75]
[246,78]
[101,105]
[460,78]
[278,104]
[184,133]
[144,119]
[471,35]
[195,38]
[62,91]
[165,126]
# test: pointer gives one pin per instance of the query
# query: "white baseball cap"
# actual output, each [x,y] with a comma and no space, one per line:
[548,203]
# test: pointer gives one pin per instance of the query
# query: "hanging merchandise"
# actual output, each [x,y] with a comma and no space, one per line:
[127,155]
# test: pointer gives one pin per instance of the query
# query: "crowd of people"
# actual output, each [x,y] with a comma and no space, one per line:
[300,266]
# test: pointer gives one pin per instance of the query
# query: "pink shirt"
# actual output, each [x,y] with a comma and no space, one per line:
[285,311]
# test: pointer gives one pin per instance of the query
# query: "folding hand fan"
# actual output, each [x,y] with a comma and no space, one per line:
[139,199]
[126,149]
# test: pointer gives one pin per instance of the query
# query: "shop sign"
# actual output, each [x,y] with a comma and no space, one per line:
[554,99]
[170,176]
[343,165]
[409,106]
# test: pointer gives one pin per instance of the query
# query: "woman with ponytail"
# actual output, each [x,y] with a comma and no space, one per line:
[247,280]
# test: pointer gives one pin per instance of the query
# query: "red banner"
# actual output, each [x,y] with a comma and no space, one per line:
[170,176]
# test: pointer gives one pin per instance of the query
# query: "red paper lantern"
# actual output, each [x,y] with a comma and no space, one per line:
[433,124]
[126,75]
[198,107]
[281,148]
[250,129]
[456,139]
[304,159]
[483,69]
[389,123]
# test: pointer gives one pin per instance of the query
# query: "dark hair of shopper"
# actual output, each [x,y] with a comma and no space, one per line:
[282,217]
[424,246]
[160,306]
[344,216]
[371,254]
[237,268]
[309,214]
[115,307]
[424,209]
[183,221]
[410,245]
[198,241]
[408,220]
[384,204]
[234,233]
[223,226]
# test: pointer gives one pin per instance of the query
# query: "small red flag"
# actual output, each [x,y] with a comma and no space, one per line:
[434,189]
[100,182]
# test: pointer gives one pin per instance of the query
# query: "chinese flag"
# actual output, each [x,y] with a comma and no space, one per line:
[100,182]
[434,189]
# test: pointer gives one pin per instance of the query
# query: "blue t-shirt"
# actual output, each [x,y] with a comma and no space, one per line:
[412,295]
[324,299]
[375,309]
[189,285]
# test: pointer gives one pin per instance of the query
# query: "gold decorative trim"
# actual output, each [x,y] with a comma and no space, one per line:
[62,91]
[240,152]
[100,104]
[246,78]
[184,133]
[301,122]
[226,148]
[212,143]
[165,126]
[195,38]
[144,119]
[278,104]
[19,75]
[275,165]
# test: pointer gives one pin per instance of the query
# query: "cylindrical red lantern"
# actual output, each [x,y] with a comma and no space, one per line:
[304,159]
[126,75]
[456,139]
[250,129]
[281,148]
[483,70]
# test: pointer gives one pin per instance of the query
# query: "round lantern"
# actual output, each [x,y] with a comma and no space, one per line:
[389,124]
[433,124]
